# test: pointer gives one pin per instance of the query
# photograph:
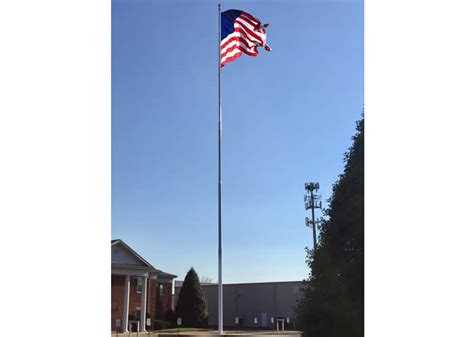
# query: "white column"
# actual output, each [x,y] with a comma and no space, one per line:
[126,304]
[143,313]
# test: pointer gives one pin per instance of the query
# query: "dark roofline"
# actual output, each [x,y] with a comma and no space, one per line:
[241,284]
[179,283]
[131,266]
[166,275]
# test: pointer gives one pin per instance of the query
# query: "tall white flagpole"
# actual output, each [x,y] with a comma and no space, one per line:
[219,212]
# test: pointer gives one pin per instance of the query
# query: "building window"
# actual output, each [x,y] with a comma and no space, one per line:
[139,287]
[161,288]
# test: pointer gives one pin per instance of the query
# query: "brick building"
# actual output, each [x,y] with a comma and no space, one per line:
[135,285]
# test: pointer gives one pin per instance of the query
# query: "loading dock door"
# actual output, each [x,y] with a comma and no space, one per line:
[264,320]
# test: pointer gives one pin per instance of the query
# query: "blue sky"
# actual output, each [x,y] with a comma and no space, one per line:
[288,117]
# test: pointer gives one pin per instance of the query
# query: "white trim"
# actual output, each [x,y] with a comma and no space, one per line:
[126,304]
[133,252]
[130,272]
[143,306]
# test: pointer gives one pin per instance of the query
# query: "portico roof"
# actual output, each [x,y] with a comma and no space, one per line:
[127,261]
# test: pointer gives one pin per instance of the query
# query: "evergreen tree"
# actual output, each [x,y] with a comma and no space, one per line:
[192,306]
[333,301]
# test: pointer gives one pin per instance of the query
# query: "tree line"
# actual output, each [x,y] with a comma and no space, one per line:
[332,304]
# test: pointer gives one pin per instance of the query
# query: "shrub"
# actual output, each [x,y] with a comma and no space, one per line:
[170,318]
[159,324]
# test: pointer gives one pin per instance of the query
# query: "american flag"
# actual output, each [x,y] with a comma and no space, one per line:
[241,32]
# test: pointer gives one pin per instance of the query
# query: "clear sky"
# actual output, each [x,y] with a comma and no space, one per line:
[288,118]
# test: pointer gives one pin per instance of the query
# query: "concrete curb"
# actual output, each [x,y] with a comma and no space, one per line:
[212,334]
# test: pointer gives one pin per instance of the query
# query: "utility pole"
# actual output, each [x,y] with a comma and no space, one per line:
[311,202]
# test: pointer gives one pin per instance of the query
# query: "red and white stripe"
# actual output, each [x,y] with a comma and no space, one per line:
[247,36]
